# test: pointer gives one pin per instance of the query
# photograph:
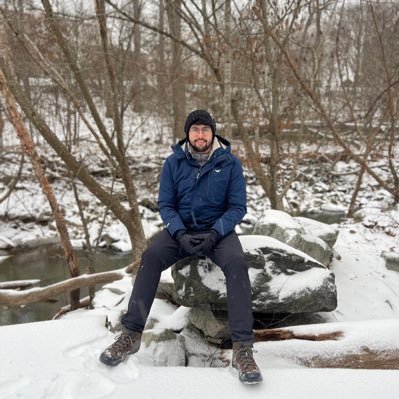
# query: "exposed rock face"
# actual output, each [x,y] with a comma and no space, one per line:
[187,348]
[204,320]
[169,347]
[283,280]
[303,234]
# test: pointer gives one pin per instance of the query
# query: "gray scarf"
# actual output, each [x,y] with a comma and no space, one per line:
[200,157]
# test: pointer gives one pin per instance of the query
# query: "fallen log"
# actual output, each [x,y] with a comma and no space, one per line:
[18,284]
[10,298]
[279,334]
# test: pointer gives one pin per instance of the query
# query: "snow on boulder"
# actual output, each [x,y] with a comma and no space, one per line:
[283,227]
[283,280]
[326,232]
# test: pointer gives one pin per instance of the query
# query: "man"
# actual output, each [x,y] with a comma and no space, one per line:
[202,198]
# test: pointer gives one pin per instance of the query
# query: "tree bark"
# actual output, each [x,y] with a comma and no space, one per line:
[277,334]
[178,85]
[13,298]
[29,148]
[137,238]
[227,84]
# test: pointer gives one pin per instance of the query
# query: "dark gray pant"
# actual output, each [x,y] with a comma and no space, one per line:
[163,252]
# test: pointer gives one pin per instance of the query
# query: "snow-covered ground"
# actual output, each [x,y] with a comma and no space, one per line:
[59,359]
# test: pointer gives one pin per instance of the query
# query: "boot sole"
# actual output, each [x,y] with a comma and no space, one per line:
[251,382]
[254,381]
[114,363]
[110,362]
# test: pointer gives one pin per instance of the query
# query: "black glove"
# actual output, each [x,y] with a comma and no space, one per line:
[208,244]
[187,242]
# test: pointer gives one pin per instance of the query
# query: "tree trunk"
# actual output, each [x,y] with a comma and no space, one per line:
[137,237]
[29,148]
[178,85]
[161,78]
[76,167]
[227,71]
[137,74]
[253,158]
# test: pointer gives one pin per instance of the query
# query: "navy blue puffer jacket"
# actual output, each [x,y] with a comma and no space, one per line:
[209,197]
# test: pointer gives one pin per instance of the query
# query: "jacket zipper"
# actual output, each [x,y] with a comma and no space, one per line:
[198,174]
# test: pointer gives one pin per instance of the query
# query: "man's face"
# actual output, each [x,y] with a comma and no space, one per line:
[200,138]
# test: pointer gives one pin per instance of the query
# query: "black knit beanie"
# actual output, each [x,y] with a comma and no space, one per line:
[200,117]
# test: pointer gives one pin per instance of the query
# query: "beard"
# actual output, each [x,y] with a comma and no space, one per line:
[203,147]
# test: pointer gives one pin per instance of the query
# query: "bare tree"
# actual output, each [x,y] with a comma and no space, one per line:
[116,153]
[307,89]
[178,85]
[29,148]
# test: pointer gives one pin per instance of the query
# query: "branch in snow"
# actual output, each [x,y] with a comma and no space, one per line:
[40,294]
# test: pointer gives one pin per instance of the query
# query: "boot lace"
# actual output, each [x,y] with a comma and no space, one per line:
[122,342]
[246,359]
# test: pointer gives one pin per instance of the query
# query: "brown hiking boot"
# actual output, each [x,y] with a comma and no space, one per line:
[243,361]
[125,344]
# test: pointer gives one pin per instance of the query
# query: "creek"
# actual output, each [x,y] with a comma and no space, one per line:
[46,263]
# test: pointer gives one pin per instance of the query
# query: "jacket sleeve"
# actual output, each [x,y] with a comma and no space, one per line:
[236,202]
[167,201]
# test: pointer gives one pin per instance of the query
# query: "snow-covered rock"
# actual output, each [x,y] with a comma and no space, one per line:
[168,347]
[391,260]
[326,232]
[283,280]
[296,233]
[199,352]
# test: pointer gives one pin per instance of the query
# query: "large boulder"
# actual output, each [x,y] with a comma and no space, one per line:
[298,233]
[283,280]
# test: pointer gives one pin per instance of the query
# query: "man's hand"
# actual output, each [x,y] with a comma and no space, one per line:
[187,242]
[208,244]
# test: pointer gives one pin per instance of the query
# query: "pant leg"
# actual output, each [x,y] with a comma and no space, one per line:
[162,253]
[229,256]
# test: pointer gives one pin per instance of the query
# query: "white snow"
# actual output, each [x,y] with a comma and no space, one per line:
[282,219]
[60,358]
[213,279]
[251,243]
[284,286]
[330,207]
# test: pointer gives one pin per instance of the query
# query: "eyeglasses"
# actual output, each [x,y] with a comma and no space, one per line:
[196,130]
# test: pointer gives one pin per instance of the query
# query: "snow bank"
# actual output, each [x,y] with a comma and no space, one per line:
[60,360]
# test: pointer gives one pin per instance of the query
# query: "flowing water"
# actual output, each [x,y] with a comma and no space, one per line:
[47,264]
